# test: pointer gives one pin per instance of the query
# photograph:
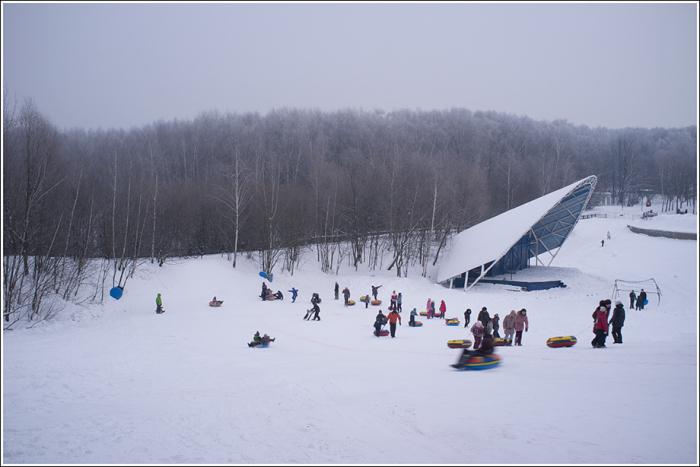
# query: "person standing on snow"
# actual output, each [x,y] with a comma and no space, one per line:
[600,327]
[443,308]
[375,291]
[335,290]
[484,316]
[509,325]
[392,300]
[264,292]
[398,302]
[412,320]
[521,324]
[633,298]
[495,321]
[159,304]
[346,295]
[617,321]
[392,318]
[643,296]
[467,317]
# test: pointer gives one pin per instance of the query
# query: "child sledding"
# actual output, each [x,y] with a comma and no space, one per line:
[215,303]
[481,358]
[380,321]
[263,341]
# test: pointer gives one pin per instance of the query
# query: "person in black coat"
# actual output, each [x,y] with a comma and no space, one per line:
[617,321]
[467,317]
[484,317]
[379,321]
[641,299]
[335,290]
[633,298]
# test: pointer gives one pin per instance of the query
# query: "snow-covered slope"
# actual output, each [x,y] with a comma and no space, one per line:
[120,384]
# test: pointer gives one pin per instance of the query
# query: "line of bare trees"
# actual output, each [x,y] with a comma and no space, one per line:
[83,208]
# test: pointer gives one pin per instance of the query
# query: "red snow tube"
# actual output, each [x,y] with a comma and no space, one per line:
[383,332]
[416,324]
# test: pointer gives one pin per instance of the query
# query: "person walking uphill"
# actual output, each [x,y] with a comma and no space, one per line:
[467,317]
[509,325]
[379,321]
[617,321]
[495,321]
[520,325]
[633,298]
[159,304]
[392,318]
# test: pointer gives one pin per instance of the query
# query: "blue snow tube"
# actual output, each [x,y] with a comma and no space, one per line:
[262,274]
[116,292]
[479,362]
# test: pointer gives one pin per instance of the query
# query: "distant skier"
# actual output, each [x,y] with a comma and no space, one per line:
[467,317]
[346,295]
[159,304]
[335,290]
[633,298]
[617,321]
[294,293]
[392,318]
[375,291]
[379,321]
[495,321]
[521,324]
[443,308]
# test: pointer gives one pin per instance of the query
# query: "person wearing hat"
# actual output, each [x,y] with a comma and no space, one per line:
[484,316]
[617,321]
[600,327]
[159,304]
[521,324]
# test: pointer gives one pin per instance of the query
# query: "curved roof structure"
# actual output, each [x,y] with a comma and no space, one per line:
[505,243]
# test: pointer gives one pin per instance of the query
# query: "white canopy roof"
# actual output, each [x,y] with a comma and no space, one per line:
[492,238]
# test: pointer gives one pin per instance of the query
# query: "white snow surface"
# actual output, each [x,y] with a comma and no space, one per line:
[119,384]
[491,239]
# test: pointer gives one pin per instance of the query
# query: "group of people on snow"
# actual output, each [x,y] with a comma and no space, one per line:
[638,301]
[602,322]
[267,294]
[430,309]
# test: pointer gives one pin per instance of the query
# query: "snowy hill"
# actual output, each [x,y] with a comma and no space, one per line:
[120,384]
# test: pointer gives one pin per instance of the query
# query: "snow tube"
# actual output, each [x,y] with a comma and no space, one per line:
[646,301]
[423,313]
[383,332]
[351,302]
[216,303]
[459,343]
[364,298]
[500,341]
[262,274]
[376,302]
[440,315]
[116,293]
[561,341]
[479,362]
[452,322]
[416,324]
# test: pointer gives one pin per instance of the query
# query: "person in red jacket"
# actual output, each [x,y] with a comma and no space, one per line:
[443,308]
[521,324]
[600,327]
[393,317]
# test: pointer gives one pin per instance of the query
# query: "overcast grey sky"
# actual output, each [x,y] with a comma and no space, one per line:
[120,65]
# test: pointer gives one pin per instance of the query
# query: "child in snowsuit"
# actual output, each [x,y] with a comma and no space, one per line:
[159,304]
[412,320]
[495,321]
[478,332]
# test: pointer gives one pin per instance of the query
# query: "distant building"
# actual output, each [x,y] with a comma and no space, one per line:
[507,242]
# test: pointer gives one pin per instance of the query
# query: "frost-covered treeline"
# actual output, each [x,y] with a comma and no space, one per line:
[273,183]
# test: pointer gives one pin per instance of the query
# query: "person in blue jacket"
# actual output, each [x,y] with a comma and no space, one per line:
[294,293]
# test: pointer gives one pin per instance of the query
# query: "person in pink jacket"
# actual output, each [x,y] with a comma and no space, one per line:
[478,331]
[520,325]
[427,308]
[443,308]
